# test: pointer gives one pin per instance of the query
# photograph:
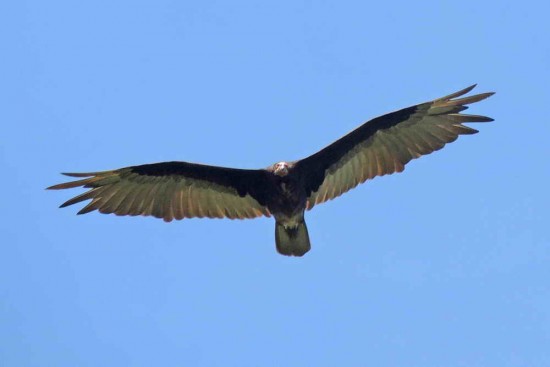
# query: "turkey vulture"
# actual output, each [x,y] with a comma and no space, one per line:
[177,190]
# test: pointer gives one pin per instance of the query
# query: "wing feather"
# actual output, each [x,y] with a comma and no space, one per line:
[385,144]
[173,190]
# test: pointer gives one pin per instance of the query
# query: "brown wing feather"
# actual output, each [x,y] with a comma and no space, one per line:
[173,190]
[386,144]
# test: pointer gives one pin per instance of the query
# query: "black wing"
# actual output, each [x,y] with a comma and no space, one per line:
[385,144]
[173,190]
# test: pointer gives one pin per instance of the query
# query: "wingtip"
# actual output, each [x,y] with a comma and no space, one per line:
[55,187]
[478,97]
[465,91]
[457,94]
[68,185]
[468,89]
[75,174]
[471,87]
[65,204]
[61,186]
[88,208]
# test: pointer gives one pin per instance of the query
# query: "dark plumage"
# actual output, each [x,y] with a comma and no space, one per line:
[177,190]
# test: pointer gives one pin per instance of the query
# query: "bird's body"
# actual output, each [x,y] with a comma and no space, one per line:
[288,198]
[288,204]
[285,190]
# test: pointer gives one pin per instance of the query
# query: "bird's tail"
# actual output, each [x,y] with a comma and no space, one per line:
[292,241]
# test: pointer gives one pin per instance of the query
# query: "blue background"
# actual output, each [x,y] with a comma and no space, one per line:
[446,264]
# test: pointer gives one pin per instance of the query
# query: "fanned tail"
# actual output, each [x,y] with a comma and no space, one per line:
[292,241]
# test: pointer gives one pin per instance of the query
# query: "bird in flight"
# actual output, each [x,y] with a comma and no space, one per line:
[284,190]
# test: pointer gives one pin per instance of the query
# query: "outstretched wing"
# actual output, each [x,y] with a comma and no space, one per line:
[173,190]
[385,144]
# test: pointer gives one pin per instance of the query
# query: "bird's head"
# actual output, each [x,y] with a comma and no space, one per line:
[281,168]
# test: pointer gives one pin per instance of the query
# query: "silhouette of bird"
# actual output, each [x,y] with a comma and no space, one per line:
[284,190]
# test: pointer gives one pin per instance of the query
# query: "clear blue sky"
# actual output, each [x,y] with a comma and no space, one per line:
[446,264]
